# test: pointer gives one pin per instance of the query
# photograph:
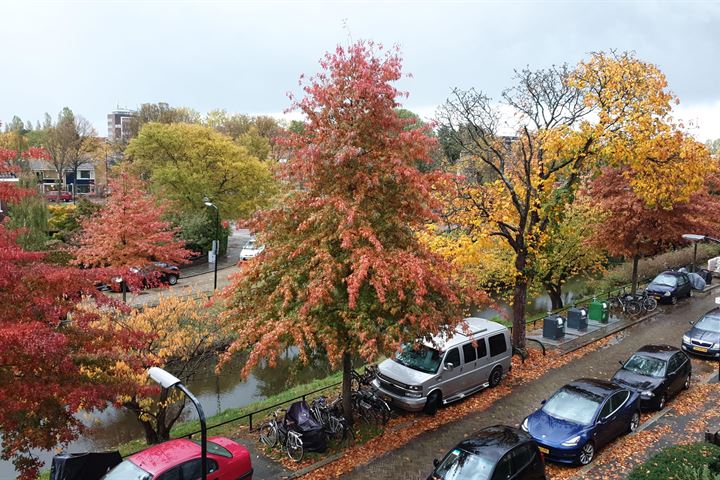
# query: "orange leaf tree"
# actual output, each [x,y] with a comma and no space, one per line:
[55,358]
[632,228]
[344,271]
[129,231]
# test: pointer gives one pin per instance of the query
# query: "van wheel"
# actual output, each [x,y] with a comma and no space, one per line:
[433,402]
[495,377]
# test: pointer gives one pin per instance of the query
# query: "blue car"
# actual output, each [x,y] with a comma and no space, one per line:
[581,417]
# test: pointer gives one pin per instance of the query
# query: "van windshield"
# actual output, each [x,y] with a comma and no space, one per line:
[419,357]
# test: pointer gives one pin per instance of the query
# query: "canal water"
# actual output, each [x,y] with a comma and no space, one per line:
[227,390]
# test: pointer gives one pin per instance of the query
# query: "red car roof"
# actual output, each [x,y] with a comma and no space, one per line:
[159,458]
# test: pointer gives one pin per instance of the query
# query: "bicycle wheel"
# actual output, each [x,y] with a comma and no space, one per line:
[269,434]
[294,446]
[382,410]
[650,303]
[633,308]
[614,303]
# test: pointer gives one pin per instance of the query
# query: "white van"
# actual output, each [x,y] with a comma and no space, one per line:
[446,369]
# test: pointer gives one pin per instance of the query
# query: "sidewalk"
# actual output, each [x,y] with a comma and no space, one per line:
[414,459]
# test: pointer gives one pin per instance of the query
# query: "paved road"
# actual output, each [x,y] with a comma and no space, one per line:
[195,280]
[414,460]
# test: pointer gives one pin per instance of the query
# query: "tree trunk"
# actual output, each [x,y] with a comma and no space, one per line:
[519,299]
[636,260]
[151,436]
[555,294]
[346,394]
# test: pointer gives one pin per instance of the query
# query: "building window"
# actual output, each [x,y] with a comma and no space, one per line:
[84,174]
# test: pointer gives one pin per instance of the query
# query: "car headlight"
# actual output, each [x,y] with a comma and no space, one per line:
[571,442]
[524,425]
[666,294]
[686,339]
[417,388]
[647,394]
[716,346]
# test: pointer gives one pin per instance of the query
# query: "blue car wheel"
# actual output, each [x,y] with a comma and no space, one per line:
[587,453]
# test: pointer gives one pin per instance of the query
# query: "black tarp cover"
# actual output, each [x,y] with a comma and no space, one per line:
[83,466]
[299,418]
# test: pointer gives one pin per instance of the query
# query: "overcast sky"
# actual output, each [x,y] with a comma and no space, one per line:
[245,56]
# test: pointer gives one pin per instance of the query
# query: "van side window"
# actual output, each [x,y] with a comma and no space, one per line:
[481,348]
[453,356]
[497,344]
[469,353]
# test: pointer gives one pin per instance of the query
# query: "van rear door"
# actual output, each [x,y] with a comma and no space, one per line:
[478,371]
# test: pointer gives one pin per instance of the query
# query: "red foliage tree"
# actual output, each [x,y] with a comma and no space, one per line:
[633,229]
[129,231]
[344,271]
[56,358]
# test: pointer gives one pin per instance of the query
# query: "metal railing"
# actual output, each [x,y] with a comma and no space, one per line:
[599,296]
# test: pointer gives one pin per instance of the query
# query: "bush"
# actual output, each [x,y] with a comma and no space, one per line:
[681,462]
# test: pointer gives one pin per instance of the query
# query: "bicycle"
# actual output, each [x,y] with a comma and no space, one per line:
[626,303]
[370,407]
[363,380]
[647,302]
[334,423]
[273,433]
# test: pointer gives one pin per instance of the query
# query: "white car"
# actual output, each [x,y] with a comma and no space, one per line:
[250,250]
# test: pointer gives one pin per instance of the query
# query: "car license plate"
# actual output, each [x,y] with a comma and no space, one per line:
[657,297]
[544,450]
[700,349]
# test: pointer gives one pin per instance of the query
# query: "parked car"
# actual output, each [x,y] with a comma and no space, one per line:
[251,250]
[426,374]
[180,460]
[163,273]
[581,417]
[704,337]
[494,453]
[670,286]
[52,196]
[657,372]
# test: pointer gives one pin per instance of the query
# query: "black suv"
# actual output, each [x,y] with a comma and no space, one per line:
[495,453]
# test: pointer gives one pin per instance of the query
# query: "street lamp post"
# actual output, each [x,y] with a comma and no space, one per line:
[123,287]
[168,380]
[692,237]
[208,203]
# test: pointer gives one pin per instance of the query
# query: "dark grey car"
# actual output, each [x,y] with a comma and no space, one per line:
[703,338]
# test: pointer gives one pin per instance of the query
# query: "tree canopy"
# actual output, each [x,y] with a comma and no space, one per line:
[186,163]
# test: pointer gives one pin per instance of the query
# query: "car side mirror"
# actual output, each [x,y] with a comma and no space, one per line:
[543,402]
[621,363]
[436,462]
[449,366]
[691,323]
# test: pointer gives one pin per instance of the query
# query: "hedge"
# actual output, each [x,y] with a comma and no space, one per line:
[673,462]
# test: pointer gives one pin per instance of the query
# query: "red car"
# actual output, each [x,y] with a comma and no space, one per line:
[180,460]
[52,196]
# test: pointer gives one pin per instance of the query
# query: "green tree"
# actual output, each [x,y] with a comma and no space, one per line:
[187,162]
[30,217]
[161,113]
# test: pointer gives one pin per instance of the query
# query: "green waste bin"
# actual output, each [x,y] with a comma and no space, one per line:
[598,311]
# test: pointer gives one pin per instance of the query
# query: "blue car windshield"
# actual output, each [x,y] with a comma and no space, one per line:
[664,279]
[419,357]
[462,465]
[574,405]
[647,366]
[711,324]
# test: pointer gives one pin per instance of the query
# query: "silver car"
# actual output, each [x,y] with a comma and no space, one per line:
[424,375]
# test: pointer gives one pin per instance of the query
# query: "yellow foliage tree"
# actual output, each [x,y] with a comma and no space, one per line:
[182,335]
[611,109]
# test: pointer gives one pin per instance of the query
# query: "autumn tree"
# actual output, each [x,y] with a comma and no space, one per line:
[344,271]
[129,230]
[161,112]
[180,335]
[55,358]
[612,108]
[188,162]
[633,229]
[67,143]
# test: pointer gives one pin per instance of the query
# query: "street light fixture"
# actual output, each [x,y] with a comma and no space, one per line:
[168,380]
[123,287]
[208,203]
